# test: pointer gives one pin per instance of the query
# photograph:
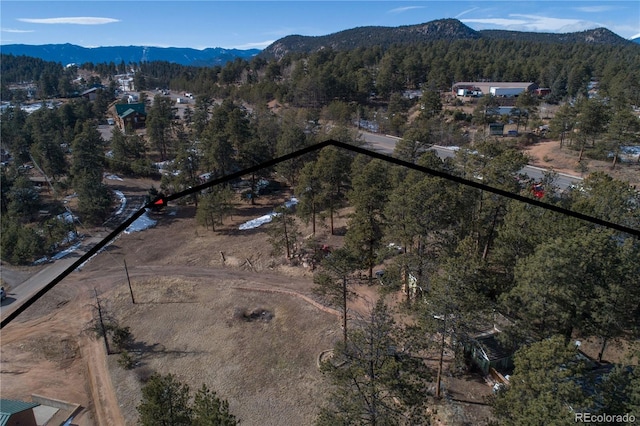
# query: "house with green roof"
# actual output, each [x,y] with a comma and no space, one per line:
[14,413]
[131,115]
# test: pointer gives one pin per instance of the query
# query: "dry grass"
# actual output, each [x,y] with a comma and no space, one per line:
[548,154]
[266,369]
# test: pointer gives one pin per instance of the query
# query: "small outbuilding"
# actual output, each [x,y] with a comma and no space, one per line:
[487,353]
[17,413]
[496,129]
[484,349]
[91,93]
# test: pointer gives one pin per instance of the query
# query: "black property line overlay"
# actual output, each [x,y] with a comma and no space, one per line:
[163,200]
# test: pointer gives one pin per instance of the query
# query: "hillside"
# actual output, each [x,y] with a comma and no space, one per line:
[595,36]
[444,29]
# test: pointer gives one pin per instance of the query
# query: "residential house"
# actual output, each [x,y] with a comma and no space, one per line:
[131,115]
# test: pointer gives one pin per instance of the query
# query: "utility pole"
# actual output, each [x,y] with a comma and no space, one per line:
[133,300]
[439,376]
[102,327]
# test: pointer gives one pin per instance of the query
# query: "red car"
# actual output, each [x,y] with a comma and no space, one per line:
[538,190]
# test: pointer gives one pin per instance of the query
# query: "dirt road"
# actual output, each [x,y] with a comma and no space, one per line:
[45,350]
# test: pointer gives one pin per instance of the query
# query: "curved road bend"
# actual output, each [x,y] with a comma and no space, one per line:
[386,144]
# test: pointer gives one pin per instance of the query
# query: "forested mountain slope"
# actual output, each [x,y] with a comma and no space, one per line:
[443,29]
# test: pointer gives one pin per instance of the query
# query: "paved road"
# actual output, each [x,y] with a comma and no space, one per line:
[23,289]
[386,145]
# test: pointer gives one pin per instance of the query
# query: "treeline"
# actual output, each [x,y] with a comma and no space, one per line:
[17,69]
[355,75]
[443,29]
[45,80]
[45,139]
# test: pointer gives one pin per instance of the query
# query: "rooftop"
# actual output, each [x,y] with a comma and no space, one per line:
[9,407]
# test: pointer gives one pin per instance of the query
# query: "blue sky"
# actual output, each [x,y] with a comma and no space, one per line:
[255,24]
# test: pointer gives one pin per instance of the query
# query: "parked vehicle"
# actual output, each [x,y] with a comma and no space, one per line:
[3,294]
[538,190]
[506,91]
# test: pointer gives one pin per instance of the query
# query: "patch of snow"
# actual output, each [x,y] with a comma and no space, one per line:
[254,223]
[627,153]
[291,202]
[65,252]
[71,236]
[395,246]
[113,177]
[123,202]
[161,166]
[259,221]
[140,224]
[42,261]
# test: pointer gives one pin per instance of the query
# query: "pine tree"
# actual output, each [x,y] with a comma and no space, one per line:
[334,279]
[308,192]
[368,197]
[214,206]
[283,232]
[94,198]
[375,383]
[332,170]
[210,410]
[165,402]
[545,387]
[159,124]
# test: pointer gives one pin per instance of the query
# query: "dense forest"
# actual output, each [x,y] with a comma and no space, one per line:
[355,75]
[469,253]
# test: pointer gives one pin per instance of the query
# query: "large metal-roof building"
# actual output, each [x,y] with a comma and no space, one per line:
[484,87]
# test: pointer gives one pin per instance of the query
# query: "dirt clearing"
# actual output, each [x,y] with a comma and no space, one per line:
[185,321]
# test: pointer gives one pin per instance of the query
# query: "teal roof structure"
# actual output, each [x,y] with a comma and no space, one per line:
[9,407]
[124,109]
[128,112]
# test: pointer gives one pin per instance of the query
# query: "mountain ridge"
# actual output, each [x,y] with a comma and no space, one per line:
[442,29]
[366,36]
[70,53]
